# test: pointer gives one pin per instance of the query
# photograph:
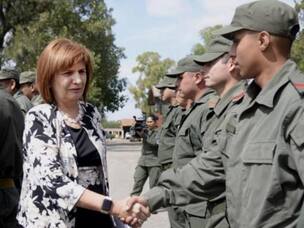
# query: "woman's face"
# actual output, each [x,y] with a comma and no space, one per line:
[68,85]
[150,123]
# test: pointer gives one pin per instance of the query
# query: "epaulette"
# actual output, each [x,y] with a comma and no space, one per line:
[238,96]
[297,80]
[212,102]
[299,86]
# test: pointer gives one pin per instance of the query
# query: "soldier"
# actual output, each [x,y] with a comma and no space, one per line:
[264,156]
[28,87]
[188,143]
[167,132]
[11,125]
[204,175]
[148,165]
[9,80]
[27,84]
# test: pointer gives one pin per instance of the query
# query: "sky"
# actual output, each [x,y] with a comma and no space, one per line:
[169,27]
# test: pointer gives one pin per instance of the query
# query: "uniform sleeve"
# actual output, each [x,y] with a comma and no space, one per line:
[43,166]
[202,179]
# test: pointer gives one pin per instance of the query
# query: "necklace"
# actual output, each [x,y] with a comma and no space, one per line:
[75,120]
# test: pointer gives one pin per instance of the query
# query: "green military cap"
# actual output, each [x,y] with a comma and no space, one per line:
[184,65]
[9,74]
[27,77]
[217,47]
[167,82]
[271,16]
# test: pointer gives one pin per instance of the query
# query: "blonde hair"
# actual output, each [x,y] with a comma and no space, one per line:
[58,55]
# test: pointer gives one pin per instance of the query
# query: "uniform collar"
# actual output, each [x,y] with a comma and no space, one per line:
[205,97]
[266,96]
[202,100]
[223,102]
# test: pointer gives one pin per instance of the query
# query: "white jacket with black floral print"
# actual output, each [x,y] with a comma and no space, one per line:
[50,187]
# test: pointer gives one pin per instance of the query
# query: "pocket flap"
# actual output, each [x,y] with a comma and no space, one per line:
[197,209]
[259,152]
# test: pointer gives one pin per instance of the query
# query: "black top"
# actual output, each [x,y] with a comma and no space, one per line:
[87,154]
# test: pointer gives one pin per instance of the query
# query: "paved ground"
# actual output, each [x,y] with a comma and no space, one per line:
[122,159]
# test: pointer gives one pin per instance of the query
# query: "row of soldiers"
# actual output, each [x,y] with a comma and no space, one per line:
[234,158]
[22,86]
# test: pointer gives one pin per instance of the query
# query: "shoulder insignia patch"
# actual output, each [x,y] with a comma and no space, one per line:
[238,96]
[212,102]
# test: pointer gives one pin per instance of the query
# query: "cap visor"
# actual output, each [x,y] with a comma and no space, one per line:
[159,86]
[175,72]
[207,57]
[227,31]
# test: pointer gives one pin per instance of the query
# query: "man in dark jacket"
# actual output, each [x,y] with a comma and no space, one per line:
[11,125]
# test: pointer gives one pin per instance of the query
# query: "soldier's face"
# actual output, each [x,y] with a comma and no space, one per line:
[29,90]
[168,94]
[9,85]
[246,51]
[186,85]
[217,74]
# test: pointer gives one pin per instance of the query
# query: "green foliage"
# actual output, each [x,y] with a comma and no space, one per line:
[298,45]
[207,34]
[86,21]
[110,124]
[300,9]
[151,69]
[18,13]
[198,49]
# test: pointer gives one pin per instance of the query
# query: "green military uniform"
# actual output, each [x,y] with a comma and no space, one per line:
[211,166]
[265,167]
[30,77]
[11,125]
[263,157]
[148,165]
[202,179]
[167,136]
[188,145]
[168,130]
[23,102]
[266,151]
[36,100]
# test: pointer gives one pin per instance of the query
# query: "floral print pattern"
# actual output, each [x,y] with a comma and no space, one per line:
[51,184]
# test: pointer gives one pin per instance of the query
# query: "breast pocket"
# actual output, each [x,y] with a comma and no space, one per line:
[257,172]
[183,146]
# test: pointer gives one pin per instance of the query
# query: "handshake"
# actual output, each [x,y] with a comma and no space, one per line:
[133,210]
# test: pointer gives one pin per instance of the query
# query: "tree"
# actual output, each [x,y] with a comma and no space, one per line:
[207,34]
[151,69]
[88,22]
[298,46]
[18,13]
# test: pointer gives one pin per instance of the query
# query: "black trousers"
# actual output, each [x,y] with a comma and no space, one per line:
[9,198]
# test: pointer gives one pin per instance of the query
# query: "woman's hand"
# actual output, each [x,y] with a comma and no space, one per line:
[134,215]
